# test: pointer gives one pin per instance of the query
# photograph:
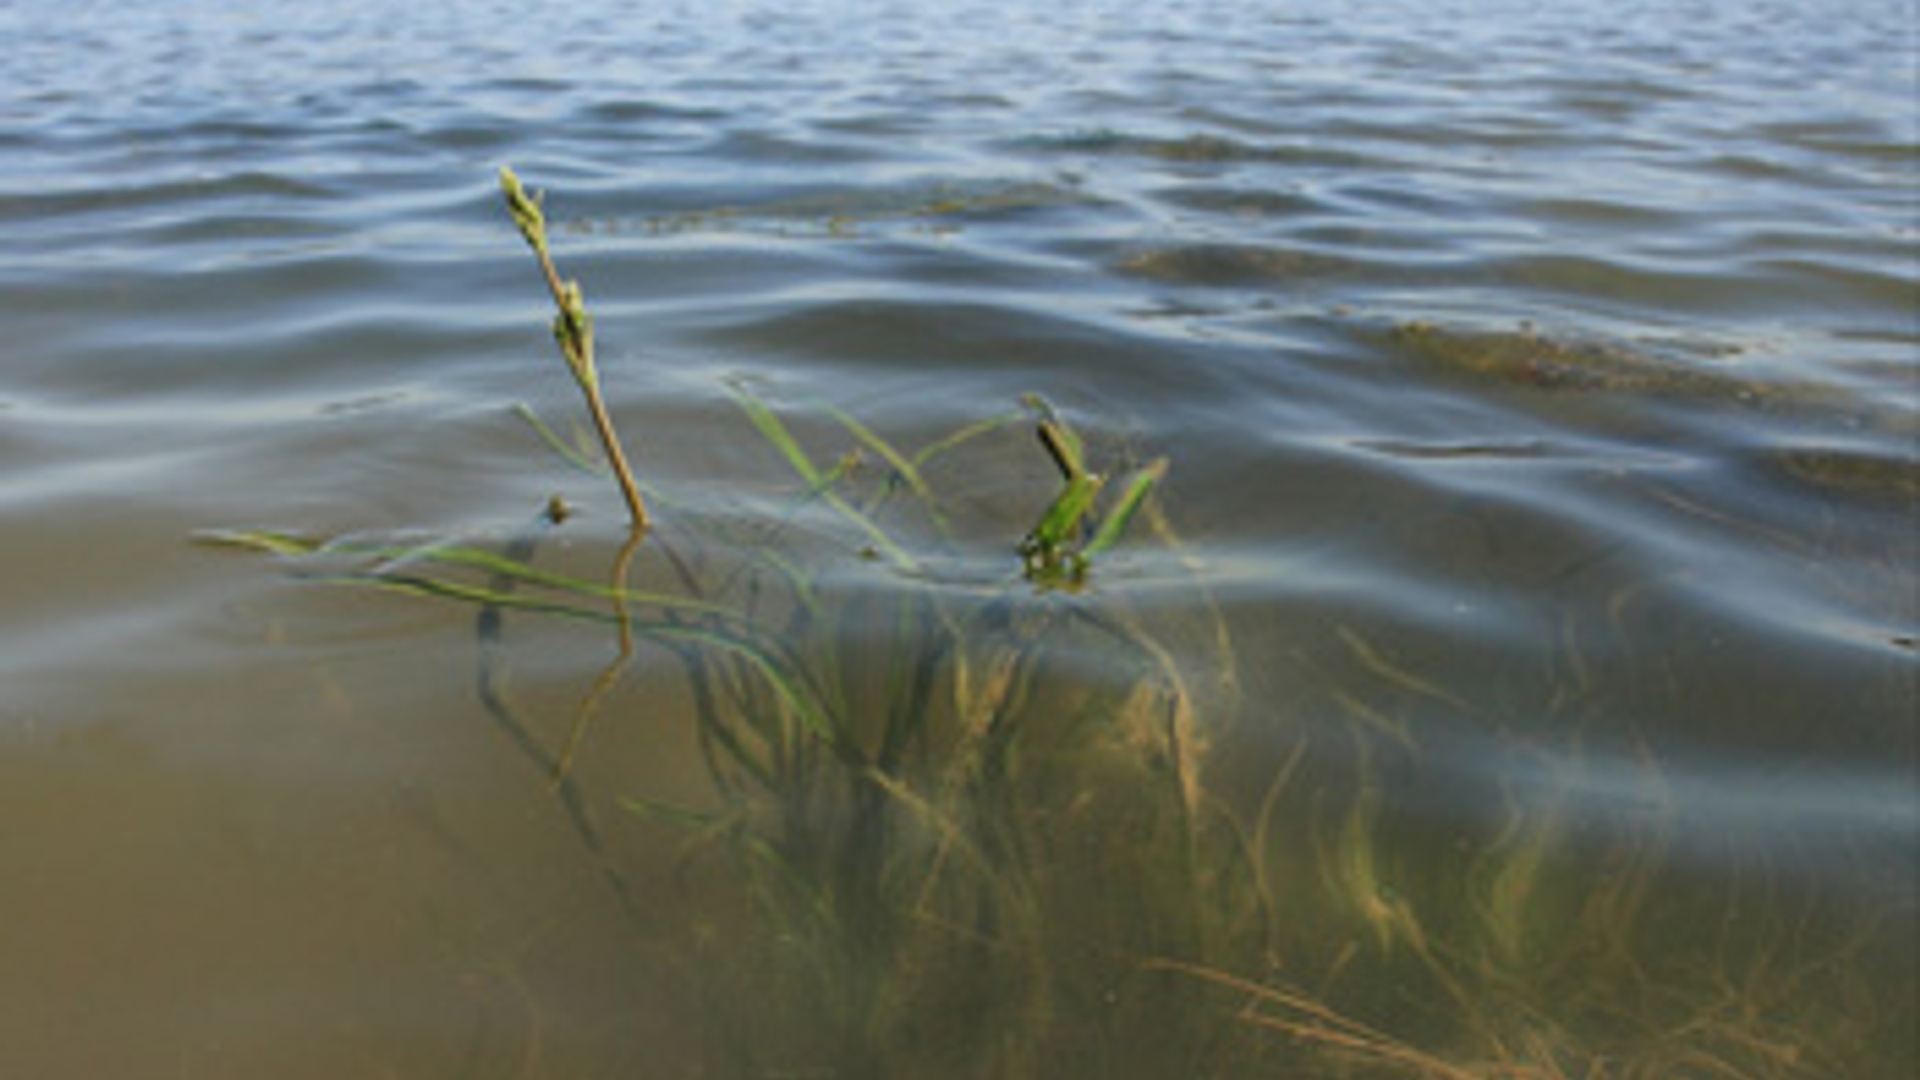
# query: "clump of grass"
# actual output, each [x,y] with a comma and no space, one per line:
[896,816]
[913,833]
[966,832]
[1064,542]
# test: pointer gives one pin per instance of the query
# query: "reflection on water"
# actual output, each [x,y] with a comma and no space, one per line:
[1513,676]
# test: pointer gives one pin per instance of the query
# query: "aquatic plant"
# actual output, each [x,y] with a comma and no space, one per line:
[1053,553]
[961,827]
[897,813]
[573,333]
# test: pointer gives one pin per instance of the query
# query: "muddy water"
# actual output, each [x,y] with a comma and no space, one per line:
[1538,383]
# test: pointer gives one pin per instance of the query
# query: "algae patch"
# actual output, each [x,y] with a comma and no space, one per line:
[841,214]
[1852,472]
[1527,357]
[1232,265]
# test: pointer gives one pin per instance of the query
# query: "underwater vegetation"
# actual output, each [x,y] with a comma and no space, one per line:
[964,823]
[1186,150]
[1223,265]
[926,207]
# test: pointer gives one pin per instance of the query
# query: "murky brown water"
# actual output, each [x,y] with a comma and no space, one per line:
[1518,660]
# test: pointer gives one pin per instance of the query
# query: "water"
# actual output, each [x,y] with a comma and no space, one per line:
[1539,387]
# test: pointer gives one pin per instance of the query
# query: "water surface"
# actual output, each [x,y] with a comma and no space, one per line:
[1538,383]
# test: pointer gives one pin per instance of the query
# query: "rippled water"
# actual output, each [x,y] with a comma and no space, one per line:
[1539,382]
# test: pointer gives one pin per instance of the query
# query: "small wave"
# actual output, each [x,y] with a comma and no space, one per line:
[1514,449]
[149,195]
[1196,149]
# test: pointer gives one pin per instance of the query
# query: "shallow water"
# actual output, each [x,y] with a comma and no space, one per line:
[1538,383]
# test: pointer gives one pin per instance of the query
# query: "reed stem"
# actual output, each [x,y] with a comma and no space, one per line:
[573,332]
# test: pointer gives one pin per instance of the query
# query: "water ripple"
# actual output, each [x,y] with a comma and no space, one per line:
[1538,380]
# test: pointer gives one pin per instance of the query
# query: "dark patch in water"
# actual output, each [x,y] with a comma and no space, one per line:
[1190,148]
[1524,448]
[1528,358]
[1253,203]
[1230,265]
[1196,149]
[1852,472]
[363,403]
[841,212]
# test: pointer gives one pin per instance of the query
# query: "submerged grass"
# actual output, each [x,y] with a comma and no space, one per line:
[968,832]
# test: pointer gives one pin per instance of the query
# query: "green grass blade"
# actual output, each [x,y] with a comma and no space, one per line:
[1139,486]
[965,435]
[1063,516]
[389,556]
[554,442]
[882,542]
[783,441]
[481,559]
[267,540]
[798,580]
[783,682]
[903,466]
[656,810]
[790,689]
[438,588]
[776,433]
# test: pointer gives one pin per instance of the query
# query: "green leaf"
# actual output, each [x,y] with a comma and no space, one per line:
[1061,441]
[1064,515]
[1139,486]
[775,432]
[389,558]
[665,811]
[966,434]
[421,585]
[790,689]
[555,443]
[907,470]
[480,558]
[273,543]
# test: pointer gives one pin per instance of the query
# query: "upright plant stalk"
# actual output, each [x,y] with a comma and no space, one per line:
[573,331]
